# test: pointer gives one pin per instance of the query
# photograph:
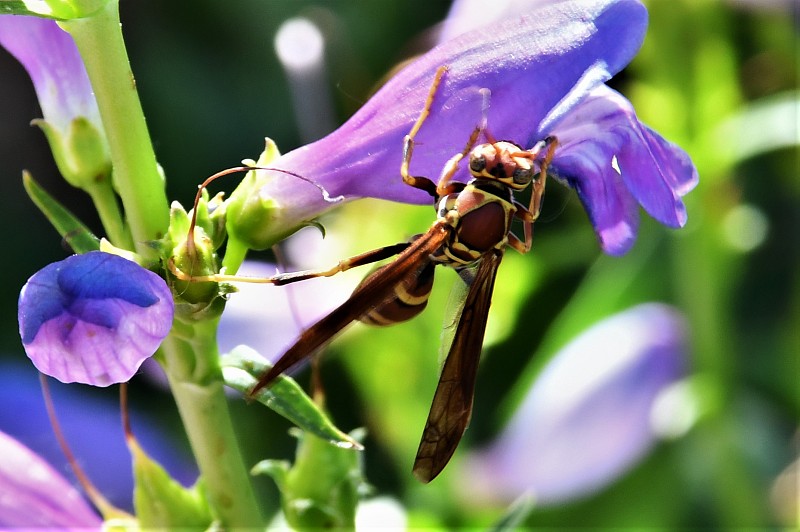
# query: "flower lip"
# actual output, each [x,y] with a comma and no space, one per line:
[616,163]
[93,318]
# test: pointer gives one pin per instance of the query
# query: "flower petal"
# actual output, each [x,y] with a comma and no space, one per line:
[586,420]
[33,494]
[536,65]
[653,172]
[91,425]
[93,318]
[52,60]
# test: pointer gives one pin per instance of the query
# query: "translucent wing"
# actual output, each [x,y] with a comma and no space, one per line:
[452,403]
[368,295]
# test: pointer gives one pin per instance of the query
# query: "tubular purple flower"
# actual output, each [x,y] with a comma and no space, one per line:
[52,60]
[587,418]
[34,495]
[540,66]
[93,318]
[71,117]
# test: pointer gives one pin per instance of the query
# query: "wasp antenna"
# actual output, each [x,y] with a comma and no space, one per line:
[486,102]
[325,194]
[202,186]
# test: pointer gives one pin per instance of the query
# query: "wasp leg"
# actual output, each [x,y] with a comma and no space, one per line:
[367,257]
[550,144]
[422,183]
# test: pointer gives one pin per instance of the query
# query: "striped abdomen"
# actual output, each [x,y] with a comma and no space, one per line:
[408,298]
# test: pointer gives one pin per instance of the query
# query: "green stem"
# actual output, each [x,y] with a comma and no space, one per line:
[192,366]
[105,201]
[191,360]
[136,175]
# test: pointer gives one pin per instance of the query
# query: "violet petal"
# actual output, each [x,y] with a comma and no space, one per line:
[93,318]
[34,495]
[52,60]
[652,171]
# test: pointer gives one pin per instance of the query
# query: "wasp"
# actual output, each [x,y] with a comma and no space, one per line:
[470,234]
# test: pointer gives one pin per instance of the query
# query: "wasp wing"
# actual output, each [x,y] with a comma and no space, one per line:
[453,308]
[369,294]
[452,403]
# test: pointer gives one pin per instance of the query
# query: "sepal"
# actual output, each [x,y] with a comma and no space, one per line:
[81,152]
[253,217]
[161,502]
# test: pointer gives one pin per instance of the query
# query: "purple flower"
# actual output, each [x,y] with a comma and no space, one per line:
[544,67]
[646,170]
[603,127]
[587,418]
[93,318]
[91,425]
[52,60]
[34,495]
[71,117]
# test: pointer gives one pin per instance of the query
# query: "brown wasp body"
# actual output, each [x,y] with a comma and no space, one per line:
[470,234]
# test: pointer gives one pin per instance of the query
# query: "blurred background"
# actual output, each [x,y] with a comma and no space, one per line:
[719,78]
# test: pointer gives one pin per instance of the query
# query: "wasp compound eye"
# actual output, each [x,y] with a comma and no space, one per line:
[522,176]
[477,163]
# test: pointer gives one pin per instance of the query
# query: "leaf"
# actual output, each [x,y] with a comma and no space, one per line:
[72,230]
[241,369]
[162,503]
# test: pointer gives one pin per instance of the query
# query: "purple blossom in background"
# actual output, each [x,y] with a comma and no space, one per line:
[587,418]
[52,60]
[93,318]
[273,328]
[93,429]
[543,65]
[34,495]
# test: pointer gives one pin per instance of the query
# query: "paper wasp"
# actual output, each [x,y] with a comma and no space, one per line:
[470,234]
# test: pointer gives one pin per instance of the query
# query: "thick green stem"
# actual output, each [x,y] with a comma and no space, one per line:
[191,359]
[192,366]
[136,175]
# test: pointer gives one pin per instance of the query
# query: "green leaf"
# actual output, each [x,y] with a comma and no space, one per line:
[163,504]
[72,230]
[241,369]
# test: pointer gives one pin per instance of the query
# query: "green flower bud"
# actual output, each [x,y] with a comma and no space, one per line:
[81,152]
[253,218]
